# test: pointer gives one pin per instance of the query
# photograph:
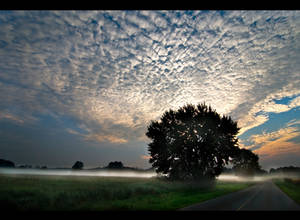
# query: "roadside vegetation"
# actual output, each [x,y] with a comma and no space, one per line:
[290,186]
[52,193]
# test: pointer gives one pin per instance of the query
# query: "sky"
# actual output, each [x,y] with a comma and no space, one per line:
[84,85]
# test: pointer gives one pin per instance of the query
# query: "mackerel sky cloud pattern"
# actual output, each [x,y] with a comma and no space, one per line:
[103,75]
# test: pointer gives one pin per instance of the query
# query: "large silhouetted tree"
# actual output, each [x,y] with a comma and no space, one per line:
[245,163]
[194,142]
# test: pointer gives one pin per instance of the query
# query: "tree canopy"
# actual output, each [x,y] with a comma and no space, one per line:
[78,165]
[115,165]
[6,163]
[194,142]
[245,163]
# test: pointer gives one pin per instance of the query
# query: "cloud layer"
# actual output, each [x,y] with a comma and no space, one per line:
[114,71]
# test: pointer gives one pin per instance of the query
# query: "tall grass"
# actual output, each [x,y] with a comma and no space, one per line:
[291,187]
[23,192]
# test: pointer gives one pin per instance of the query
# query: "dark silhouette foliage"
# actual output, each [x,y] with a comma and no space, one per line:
[194,142]
[78,165]
[6,163]
[262,172]
[26,166]
[245,163]
[115,165]
[286,170]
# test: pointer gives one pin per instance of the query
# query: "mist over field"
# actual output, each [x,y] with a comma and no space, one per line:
[135,174]
[257,178]
[69,172]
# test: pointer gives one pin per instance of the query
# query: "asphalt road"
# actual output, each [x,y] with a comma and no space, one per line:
[265,196]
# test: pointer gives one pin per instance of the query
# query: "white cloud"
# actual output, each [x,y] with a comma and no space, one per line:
[293,122]
[295,102]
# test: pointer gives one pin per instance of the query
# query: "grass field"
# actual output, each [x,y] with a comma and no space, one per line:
[47,193]
[290,187]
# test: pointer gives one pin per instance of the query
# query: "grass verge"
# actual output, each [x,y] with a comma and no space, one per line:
[54,193]
[290,187]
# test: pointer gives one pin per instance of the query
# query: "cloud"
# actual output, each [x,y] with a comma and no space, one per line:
[145,157]
[106,138]
[116,70]
[18,118]
[259,112]
[11,117]
[251,121]
[295,102]
[71,131]
[278,143]
[282,134]
[275,144]
[293,122]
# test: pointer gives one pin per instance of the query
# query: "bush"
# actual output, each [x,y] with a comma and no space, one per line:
[288,180]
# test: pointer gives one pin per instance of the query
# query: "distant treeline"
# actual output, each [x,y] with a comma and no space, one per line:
[281,170]
[118,165]
[115,165]
[6,163]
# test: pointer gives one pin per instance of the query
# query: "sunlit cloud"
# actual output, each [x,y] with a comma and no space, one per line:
[106,138]
[276,143]
[251,121]
[71,131]
[293,122]
[145,157]
[295,102]
[11,117]
[18,118]
[260,110]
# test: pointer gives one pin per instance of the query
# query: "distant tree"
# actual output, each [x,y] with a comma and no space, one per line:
[245,163]
[272,171]
[194,142]
[26,166]
[6,163]
[261,172]
[286,170]
[115,165]
[78,165]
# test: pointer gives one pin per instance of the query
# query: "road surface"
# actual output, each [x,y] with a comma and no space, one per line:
[265,196]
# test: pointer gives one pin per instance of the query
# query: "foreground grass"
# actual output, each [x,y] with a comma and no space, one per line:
[104,193]
[290,187]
